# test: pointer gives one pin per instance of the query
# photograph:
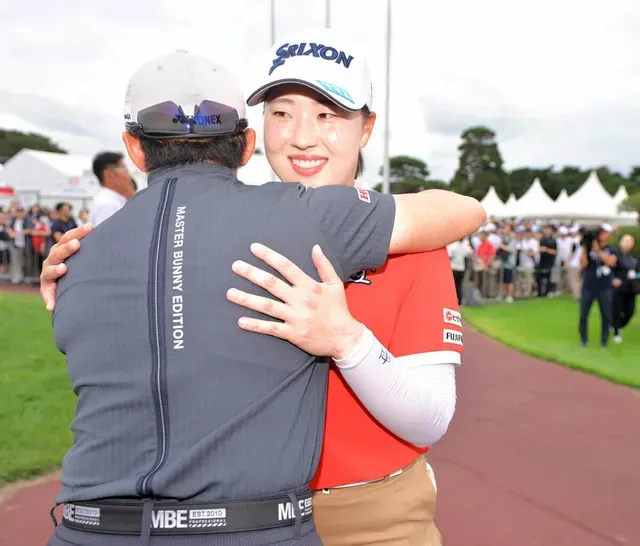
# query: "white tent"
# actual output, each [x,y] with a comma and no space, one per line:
[31,170]
[492,203]
[562,198]
[591,200]
[535,203]
[620,195]
[511,202]
[49,178]
[561,201]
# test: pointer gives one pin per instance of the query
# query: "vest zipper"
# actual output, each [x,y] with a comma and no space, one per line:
[157,333]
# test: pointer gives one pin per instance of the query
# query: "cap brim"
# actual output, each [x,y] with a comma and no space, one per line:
[258,95]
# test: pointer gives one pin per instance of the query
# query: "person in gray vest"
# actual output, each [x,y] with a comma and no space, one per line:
[188,429]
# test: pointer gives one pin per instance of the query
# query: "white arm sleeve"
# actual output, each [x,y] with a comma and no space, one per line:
[412,396]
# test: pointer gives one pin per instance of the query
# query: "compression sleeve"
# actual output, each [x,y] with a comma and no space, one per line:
[413,396]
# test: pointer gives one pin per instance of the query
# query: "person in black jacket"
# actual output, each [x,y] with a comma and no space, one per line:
[625,286]
[597,260]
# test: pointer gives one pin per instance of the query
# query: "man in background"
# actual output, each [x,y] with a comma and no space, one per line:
[116,189]
[528,248]
[64,221]
[565,248]
[597,260]
[508,254]
[20,228]
[548,251]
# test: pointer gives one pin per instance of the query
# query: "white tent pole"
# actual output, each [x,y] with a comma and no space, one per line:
[386,183]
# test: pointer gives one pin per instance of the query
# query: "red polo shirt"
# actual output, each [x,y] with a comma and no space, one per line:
[411,306]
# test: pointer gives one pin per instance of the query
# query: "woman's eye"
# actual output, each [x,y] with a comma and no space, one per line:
[327,115]
[279,113]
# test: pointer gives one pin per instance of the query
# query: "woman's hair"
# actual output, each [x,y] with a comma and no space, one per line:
[226,151]
[360,166]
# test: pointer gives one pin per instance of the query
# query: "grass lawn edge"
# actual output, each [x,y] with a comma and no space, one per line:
[543,355]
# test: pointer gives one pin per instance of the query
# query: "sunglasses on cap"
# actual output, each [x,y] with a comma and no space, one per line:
[168,120]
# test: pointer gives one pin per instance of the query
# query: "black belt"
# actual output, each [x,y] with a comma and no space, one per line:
[124,517]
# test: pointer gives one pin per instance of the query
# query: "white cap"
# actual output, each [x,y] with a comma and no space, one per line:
[607,227]
[563,230]
[185,80]
[322,60]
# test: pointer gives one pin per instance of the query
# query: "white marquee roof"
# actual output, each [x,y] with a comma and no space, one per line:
[510,202]
[492,203]
[591,200]
[535,203]
[620,195]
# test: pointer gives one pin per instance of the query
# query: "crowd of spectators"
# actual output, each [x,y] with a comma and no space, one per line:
[27,234]
[519,259]
[507,260]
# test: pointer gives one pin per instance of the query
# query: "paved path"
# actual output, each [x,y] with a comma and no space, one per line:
[537,455]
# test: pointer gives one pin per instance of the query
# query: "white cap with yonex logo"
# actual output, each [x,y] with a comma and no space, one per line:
[322,60]
[186,81]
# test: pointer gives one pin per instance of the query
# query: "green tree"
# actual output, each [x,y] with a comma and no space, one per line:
[519,181]
[480,164]
[611,180]
[633,180]
[406,175]
[402,167]
[11,142]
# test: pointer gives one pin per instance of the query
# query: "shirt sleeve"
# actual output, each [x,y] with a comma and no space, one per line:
[428,321]
[356,223]
[56,227]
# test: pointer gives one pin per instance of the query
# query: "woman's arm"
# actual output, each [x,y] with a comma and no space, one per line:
[433,219]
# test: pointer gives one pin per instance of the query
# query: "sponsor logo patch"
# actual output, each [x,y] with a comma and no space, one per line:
[451,317]
[360,277]
[452,336]
[363,195]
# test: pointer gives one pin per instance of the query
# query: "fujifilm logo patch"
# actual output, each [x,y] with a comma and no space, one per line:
[188,519]
[452,336]
[286,511]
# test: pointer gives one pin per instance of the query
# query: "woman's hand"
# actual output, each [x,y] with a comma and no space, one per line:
[314,316]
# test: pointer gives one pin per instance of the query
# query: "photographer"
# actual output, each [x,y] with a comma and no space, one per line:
[596,261]
[626,286]
[548,252]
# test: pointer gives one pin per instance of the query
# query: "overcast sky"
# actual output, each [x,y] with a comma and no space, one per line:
[559,80]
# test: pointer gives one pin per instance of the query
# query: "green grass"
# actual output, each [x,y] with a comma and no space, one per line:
[36,401]
[548,329]
[37,404]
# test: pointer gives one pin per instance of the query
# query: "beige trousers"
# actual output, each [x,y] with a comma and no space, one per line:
[398,510]
[574,276]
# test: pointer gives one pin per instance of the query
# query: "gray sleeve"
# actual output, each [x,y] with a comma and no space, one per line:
[356,224]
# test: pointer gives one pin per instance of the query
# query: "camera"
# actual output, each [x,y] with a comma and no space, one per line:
[588,236]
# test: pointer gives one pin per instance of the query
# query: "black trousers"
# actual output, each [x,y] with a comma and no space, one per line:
[458,277]
[624,307]
[543,278]
[604,295]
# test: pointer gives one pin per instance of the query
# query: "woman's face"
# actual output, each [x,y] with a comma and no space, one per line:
[627,242]
[310,140]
